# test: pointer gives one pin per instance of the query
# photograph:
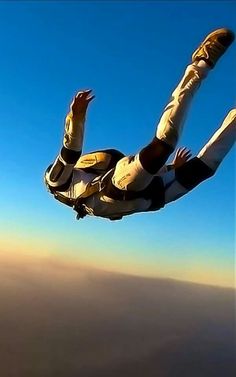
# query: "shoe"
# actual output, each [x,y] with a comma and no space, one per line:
[214,46]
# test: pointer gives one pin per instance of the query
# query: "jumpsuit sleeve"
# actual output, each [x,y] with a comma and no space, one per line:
[59,175]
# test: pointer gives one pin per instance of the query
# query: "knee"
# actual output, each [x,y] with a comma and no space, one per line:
[155,155]
[192,173]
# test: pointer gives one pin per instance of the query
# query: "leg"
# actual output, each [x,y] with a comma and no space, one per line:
[136,173]
[213,153]
[198,169]
[169,129]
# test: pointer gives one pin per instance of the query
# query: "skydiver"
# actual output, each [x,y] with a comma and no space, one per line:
[109,184]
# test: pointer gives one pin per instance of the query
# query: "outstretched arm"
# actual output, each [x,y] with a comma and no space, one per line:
[59,174]
[75,119]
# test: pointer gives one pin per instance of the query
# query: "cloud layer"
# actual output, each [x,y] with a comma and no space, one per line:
[60,319]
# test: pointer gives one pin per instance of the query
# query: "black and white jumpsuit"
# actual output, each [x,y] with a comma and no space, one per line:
[137,172]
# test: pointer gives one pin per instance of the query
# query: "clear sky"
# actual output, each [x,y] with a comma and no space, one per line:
[132,55]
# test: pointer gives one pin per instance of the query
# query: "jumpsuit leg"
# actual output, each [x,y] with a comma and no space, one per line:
[136,172]
[202,167]
[213,153]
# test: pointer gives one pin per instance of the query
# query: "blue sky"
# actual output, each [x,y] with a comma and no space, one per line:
[132,54]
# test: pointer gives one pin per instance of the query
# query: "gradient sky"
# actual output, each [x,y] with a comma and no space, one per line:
[132,54]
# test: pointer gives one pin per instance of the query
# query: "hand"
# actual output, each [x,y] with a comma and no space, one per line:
[80,103]
[181,156]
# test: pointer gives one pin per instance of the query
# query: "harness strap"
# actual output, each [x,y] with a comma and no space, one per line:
[96,185]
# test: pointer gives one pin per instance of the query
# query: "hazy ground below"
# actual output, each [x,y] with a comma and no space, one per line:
[61,320]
